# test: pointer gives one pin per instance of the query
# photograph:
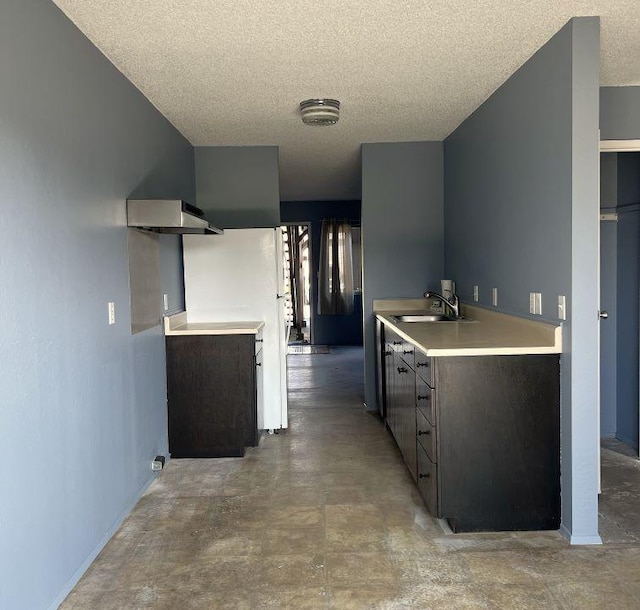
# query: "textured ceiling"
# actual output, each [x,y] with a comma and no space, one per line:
[232,72]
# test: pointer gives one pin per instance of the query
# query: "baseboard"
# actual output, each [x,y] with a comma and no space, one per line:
[96,551]
[579,540]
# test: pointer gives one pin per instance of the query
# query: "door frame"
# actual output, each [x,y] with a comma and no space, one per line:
[615,146]
[619,145]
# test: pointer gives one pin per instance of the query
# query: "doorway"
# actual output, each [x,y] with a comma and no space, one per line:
[297,265]
[620,297]
[619,345]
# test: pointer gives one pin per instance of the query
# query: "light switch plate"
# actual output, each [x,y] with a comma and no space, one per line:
[112,312]
[562,307]
[475,294]
[165,301]
[494,297]
[532,302]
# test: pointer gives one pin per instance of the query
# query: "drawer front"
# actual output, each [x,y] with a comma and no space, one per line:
[426,435]
[424,367]
[408,354]
[258,342]
[393,339]
[425,398]
[428,482]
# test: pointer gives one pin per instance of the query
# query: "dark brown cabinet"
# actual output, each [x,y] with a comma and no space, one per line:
[213,388]
[479,434]
[400,397]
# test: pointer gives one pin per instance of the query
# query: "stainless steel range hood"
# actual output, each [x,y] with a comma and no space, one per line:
[168,216]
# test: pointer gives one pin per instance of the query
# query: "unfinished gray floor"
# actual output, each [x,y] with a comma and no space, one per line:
[326,516]
[619,505]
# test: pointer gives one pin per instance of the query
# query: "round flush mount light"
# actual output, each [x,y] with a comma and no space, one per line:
[320,112]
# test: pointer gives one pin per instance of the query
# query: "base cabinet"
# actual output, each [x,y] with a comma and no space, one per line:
[479,434]
[213,388]
[400,397]
[498,442]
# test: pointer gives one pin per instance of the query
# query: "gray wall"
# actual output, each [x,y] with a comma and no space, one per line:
[238,186]
[83,407]
[402,230]
[521,214]
[619,116]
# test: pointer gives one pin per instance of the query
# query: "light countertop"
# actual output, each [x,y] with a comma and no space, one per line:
[178,324]
[483,333]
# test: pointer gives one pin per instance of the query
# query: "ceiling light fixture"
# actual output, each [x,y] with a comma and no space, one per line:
[320,112]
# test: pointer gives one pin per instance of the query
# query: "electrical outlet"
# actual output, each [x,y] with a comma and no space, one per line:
[538,303]
[494,296]
[562,307]
[475,294]
[112,312]
[165,301]
[532,302]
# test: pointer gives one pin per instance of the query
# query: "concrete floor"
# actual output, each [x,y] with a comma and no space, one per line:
[620,498]
[326,516]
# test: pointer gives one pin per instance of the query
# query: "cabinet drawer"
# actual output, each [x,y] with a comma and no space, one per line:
[428,481]
[424,367]
[407,353]
[258,342]
[393,339]
[426,435]
[425,397]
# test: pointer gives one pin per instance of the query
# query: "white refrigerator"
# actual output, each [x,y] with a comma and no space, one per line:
[239,276]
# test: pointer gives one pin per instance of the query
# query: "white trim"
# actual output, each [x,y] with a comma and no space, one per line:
[585,540]
[578,540]
[619,145]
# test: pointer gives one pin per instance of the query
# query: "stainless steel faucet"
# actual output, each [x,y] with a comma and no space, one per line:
[454,303]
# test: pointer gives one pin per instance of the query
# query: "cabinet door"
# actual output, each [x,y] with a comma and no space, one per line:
[380,368]
[405,409]
[498,425]
[259,394]
[211,394]
[395,394]
[409,422]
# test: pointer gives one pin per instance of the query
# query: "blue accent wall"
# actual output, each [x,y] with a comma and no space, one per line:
[83,408]
[619,115]
[238,186]
[402,231]
[328,329]
[628,308]
[521,215]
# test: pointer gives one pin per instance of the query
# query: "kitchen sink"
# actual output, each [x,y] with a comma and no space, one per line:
[424,317]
